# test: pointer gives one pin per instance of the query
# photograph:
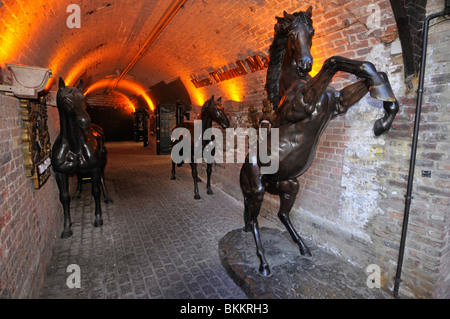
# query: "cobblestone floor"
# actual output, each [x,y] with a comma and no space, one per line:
[156,240]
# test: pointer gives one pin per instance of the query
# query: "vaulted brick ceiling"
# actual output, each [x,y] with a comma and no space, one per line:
[112,33]
[202,36]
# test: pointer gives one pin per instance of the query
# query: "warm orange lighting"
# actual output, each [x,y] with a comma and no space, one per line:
[316,66]
[21,21]
[76,71]
[49,85]
[314,71]
[125,85]
[130,104]
[233,90]
[15,28]
[198,96]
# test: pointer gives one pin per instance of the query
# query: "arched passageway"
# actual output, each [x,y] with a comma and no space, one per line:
[140,54]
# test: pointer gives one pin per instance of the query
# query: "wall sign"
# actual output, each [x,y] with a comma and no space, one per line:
[36,140]
[254,64]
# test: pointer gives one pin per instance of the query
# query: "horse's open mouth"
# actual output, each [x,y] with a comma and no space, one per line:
[302,72]
[225,125]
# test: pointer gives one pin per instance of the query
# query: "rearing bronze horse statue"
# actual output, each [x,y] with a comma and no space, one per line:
[79,149]
[306,106]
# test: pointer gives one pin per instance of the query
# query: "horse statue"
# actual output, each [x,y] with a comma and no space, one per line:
[79,149]
[212,110]
[306,105]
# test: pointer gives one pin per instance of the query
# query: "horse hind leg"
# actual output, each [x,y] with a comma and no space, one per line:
[251,212]
[195,177]
[108,199]
[253,198]
[173,177]
[96,181]
[287,191]
[79,187]
[208,181]
[64,197]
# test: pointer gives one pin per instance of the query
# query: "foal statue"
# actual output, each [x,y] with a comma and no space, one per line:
[79,149]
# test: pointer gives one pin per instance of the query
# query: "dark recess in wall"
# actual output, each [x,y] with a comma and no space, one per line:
[117,123]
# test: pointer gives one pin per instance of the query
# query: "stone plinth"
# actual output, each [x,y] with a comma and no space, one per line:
[292,276]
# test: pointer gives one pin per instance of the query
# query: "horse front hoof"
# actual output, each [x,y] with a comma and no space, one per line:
[109,201]
[98,222]
[264,270]
[173,177]
[197,196]
[66,234]
[209,192]
[381,126]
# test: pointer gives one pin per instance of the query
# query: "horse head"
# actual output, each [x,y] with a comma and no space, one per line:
[72,103]
[215,111]
[298,30]
[290,53]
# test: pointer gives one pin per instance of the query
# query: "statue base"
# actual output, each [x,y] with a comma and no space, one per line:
[293,276]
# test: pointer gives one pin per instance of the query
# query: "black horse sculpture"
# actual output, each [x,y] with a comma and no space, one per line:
[305,108]
[211,111]
[79,149]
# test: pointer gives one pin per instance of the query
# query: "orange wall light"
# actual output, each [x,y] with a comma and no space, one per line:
[198,96]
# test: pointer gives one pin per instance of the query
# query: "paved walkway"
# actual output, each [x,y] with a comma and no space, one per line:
[156,240]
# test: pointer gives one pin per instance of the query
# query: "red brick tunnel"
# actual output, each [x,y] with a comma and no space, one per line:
[141,54]
[128,47]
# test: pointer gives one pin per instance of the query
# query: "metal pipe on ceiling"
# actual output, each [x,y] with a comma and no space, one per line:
[168,15]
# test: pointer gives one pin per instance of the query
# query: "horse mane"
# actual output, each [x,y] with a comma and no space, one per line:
[276,54]
[206,105]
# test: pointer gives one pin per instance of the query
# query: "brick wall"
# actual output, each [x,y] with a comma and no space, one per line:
[29,219]
[351,200]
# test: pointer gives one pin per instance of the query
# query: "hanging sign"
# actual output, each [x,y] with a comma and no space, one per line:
[254,64]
